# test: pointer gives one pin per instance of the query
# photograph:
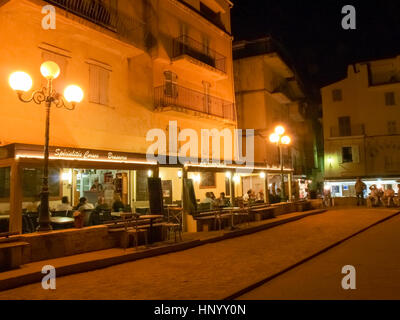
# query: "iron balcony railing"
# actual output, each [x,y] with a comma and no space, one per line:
[186,45]
[354,130]
[126,27]
[177,96]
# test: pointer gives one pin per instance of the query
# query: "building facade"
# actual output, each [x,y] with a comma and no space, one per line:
[268,93]
[141,65]
[361,133]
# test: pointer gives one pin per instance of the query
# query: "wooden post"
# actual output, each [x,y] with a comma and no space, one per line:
[266,194]
[290,179]
[15,198]
[183,199]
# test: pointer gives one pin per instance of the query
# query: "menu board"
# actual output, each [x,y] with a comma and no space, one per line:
[141,185]
[32,182]
[5,182]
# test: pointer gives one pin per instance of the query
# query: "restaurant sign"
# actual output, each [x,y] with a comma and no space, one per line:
[65,153]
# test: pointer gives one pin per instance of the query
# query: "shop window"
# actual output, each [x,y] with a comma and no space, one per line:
[347,154]
[32,182]
[99,85]
[337,95]
[4,183]
[390,99]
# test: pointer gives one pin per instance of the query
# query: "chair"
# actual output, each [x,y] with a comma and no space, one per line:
[60,213]
[105,215]
[131,229]
[174,222]
[27,225]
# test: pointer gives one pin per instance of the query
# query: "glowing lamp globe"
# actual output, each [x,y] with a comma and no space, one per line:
[280,130]
[262,175]
[228,174]
[50,70]
[236,178]
[285,140]
[20,81]
[274,138]
[73,93]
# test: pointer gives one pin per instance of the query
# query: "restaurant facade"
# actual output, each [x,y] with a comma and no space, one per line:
[175,64]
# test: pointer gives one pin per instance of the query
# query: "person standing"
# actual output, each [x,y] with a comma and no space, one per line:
[360,187]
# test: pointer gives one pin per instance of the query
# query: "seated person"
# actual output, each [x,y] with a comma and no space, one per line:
[222,201]
[388,196]
[97,187]
[118,205]
[64,205]
[260,196]
[374,195]
[101,205]
[208,198]
[34,205]
[84,205]
[247,196]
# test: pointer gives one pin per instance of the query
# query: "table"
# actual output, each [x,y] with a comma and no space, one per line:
[62,221]
[232,212]
[150,217]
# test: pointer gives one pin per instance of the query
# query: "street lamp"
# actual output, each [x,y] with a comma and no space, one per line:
[21,82]
[281,140]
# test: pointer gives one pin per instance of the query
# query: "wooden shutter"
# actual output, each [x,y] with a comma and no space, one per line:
[104,76]
[94,86]
[356,153]
[339,156]
[59,84]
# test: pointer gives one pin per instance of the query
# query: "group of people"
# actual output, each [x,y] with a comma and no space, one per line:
[251,196]
[222,201]
[377,194]
[83,205]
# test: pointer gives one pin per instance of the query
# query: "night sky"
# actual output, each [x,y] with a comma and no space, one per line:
[311,30]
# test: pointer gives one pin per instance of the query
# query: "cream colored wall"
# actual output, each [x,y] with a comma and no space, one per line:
[121,126]
[258,109]
[172,174]
[201,193]
[365,105]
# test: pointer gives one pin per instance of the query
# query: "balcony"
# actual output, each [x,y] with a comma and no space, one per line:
[125,27]
[182,99]
[192,54]
[352,131]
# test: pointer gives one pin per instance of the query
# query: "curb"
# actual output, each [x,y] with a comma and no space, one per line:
[275,275]
[37,276]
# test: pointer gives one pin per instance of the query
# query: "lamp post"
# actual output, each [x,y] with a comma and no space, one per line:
[21,82]
[281,140]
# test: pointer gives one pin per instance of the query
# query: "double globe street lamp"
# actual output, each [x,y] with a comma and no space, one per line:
[280,139]
[21,82]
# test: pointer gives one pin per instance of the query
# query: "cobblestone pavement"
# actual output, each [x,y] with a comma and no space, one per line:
[375,256]
[212,271]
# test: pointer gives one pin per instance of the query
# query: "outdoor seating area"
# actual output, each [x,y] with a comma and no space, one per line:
[231,217]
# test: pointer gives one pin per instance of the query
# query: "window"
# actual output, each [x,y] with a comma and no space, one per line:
[392,127]
[337,95]
[390,99]
[347,154]
[344,126]
[59,84]
[5,182]
[99,84]
[171,84]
